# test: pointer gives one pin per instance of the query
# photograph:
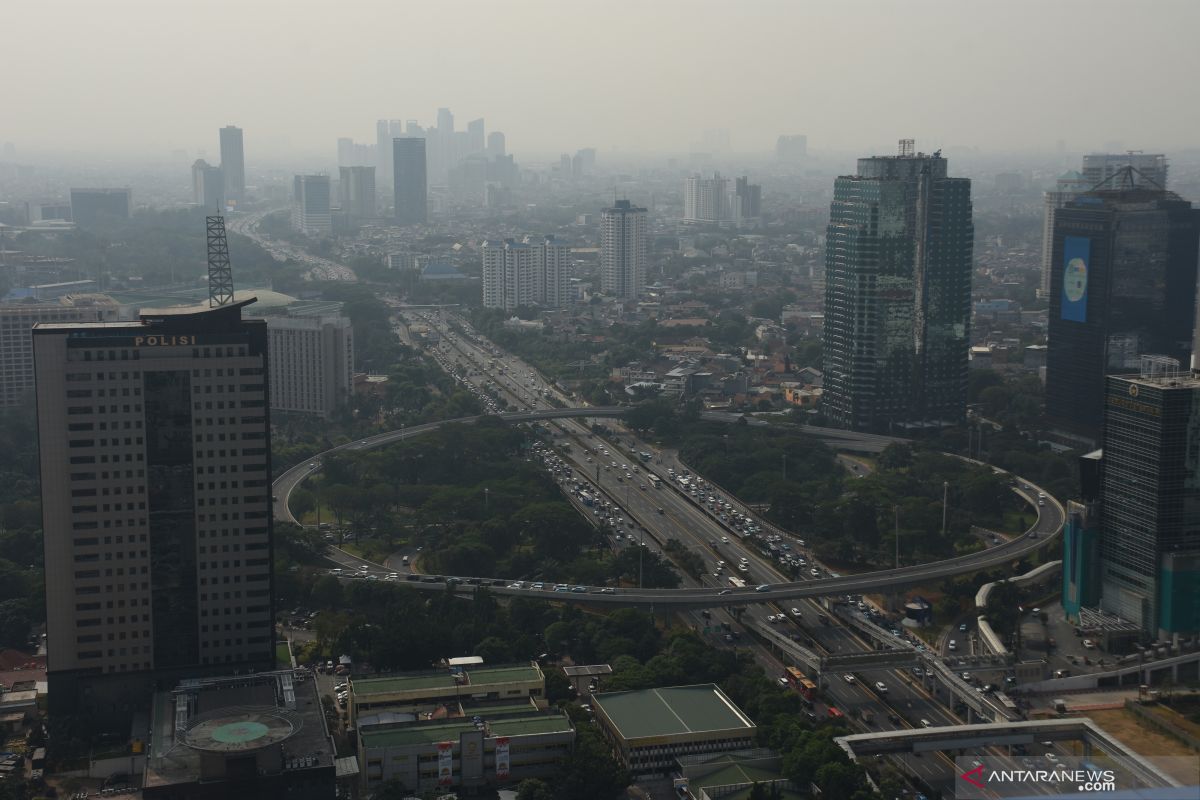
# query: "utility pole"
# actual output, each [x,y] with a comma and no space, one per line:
[785,466]
[485,499]
[896,515]
[945,496]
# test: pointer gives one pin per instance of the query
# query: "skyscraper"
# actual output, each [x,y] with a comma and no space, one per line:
[475,137]
[154,440]
[496,145]
[385,131]
[745,202]
[791,148]
[897,294]
[311,205]
[356,189]
[705,200]
[208,186]
[1150,503]
[1150,170]
[623,255]
[1123,286]
[532,271]
[409,180]
[1069,186]
[233,164]
[554,271]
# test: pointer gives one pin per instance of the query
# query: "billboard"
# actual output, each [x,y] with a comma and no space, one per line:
[445,763]
[502,767]
[1077,253]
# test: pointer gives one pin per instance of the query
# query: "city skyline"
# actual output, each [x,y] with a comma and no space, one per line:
[994,38]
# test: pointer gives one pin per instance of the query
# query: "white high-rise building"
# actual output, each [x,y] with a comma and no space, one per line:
[311,358]
[623,254]
[705,200]
[534,271]
[311,207]
[554,271]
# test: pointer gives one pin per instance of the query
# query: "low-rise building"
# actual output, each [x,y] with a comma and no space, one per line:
[649,729]
[410,692]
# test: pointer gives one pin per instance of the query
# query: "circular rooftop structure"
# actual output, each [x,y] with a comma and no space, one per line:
[239,731]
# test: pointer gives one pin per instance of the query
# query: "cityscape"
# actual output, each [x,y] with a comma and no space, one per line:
[379,430]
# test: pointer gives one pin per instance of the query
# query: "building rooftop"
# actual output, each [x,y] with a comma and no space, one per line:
[671,711]
[430,732]
[483,676]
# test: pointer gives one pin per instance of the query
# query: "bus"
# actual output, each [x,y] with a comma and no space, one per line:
[737,583]
[655,481]
[587,499]
[794,676]
[1008,705]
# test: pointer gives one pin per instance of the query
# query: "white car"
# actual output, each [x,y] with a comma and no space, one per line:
[881,687]
[796,612]
[848,678]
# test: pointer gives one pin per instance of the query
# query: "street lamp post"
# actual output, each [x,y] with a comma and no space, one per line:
[945,496]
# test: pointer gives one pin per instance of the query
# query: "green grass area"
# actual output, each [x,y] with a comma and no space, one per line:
[283,656]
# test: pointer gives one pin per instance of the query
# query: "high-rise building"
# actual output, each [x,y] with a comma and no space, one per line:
[1150,503]
[534,271]
[496,145]
[311,349]
[409,181]
[1123,285]
[311,207]
[16,342]
[154,441]
[345,151]
[1149,170]
[705,200]
[475,137]
[791,148]
[553,285]
[92,206]
[356,191]
[233,164]
[897,294]
[445,121]
[745,202]
[623,255]
[385,131]
[208,186]
[1069,186]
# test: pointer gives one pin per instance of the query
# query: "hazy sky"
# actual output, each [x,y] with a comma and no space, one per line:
[557,75]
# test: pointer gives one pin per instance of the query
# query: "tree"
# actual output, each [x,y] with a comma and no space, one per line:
[534,789]
[896,456]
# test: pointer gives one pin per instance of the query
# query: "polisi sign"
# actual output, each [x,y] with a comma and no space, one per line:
[160,340]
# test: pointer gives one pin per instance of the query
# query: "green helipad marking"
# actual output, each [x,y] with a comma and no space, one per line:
[239,732]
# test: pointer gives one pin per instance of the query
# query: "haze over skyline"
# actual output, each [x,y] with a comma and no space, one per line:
[134,76]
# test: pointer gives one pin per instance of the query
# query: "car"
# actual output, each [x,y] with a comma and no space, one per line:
[578,589]
[763,587]
[1052,758]
[966,676]
[796,612]
[771,618]
[881,687]
[848,678]
[926,723]
[1088,644]
[813,572]
[951,645]
[784,682]
[962,627]
[723,592]
[724,540]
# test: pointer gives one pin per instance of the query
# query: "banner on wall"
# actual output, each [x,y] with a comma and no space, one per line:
[1077,253]
[502,767]
[445,763]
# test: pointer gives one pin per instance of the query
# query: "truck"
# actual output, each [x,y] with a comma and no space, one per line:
[866,715]
[1060,706]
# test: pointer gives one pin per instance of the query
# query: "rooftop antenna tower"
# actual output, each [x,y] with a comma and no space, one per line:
[220,276]
[908,147]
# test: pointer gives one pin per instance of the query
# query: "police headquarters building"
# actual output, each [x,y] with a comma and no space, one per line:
[155,472]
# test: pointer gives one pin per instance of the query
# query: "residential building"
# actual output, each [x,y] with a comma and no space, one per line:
[311,357]
[154,443]
[553,277]
[897,295]
[705,200]
[745,202]
[233,164]
[1123,286]
[262,735]
[92,206]
[409,180]
[650,729]
[530,272]
[16,337]
[623,253]
[208,187]
[312,213]
[1150,503]
[356,189]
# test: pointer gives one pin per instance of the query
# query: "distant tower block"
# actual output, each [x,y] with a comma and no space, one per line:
[220,276]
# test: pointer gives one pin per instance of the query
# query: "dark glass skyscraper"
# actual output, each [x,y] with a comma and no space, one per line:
[1150,491]
[1123,286]
[897,295]
[409,181]
[233,164]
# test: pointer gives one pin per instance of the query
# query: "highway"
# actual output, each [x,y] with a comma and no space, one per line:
[320,269]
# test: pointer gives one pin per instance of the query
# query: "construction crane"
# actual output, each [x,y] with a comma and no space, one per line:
[220,276]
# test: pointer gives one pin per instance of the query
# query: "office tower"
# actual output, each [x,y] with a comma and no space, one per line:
[623,255]
[409,181]
[508,274]
[791,148]
[475,138]
[897,294]
[496,145]
[154,439]
[385,131]
[94,206]
[1149,170]
[1123,286]
[345,152]
[1150,502]
[16,343]
[587,160]
[745,202]
[445,121]
[208,186]
[1069,186]
[311,212]
[356,189]
[311,358]
[233,164]
[705,200]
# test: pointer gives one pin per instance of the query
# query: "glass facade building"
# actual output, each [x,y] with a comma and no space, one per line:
[897,295]
[1123,286]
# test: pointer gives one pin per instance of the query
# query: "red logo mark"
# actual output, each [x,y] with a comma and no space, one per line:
[966,776]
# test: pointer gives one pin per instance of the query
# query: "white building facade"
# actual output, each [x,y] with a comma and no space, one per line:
[623,250]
